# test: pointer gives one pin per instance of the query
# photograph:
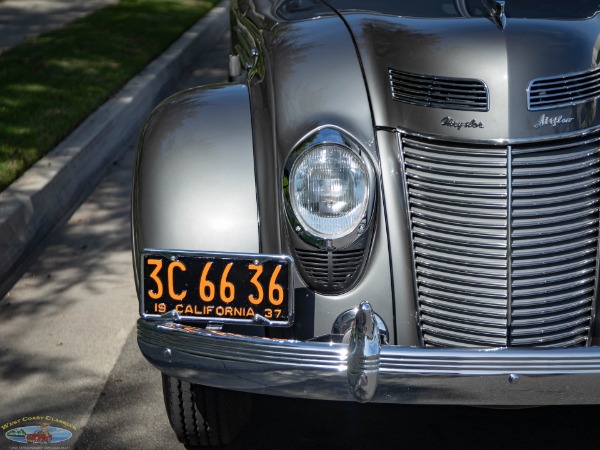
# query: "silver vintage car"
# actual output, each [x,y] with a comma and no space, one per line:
[392,201]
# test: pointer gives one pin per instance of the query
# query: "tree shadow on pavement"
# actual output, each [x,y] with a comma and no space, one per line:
[129,413]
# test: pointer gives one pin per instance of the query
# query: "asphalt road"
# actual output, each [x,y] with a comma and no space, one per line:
[68,352]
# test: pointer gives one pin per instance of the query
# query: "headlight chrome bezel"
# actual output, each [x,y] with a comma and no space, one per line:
[331,136]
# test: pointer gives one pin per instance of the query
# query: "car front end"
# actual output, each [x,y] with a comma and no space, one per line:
[404,197]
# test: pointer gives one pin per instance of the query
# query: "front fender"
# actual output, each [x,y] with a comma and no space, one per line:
[194,185]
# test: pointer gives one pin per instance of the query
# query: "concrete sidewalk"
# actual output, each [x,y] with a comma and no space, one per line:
[49,191]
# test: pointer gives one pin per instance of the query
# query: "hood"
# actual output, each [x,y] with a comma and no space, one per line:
[477,70]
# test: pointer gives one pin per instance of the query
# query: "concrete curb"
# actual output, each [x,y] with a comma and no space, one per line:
[32,206]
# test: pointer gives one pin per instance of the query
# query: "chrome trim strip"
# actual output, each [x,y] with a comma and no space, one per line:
[595,302]
[409,227]
[529,140]
[406,374]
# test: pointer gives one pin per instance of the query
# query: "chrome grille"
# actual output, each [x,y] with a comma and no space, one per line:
[564,90]
[478,287]
[555,199]
[439,92]
[458,206]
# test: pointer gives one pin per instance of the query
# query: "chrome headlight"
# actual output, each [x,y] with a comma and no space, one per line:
[329,187]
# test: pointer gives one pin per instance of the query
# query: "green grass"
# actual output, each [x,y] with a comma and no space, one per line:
[51,83]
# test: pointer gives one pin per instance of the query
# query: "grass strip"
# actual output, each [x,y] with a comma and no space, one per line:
[51,83]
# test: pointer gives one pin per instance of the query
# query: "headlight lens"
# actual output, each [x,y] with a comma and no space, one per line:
[329,190]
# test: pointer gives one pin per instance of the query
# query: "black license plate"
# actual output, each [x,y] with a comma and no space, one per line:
[218,288]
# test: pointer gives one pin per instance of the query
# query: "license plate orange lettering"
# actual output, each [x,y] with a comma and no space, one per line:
[179,265]
[202,287]
[272,313]
[275,290]
[160,308]
[157,263]
[258,270]
[226,289]
[206,288]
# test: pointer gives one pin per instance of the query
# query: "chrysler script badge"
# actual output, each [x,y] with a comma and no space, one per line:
[553,121]
[450,122]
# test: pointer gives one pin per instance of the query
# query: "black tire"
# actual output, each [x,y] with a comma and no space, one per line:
[203,416]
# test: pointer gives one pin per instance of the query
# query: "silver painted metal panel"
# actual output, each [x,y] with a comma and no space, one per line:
[400,246]
[475,48]
[298,96]
[375,287]
[194,185]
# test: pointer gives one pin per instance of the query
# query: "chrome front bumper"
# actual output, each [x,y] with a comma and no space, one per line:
[364,370]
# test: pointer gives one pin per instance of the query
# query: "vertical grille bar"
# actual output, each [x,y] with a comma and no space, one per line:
[505,240]
[509,241]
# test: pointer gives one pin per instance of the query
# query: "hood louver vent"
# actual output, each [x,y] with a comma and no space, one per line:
[439,92]
[564,90]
